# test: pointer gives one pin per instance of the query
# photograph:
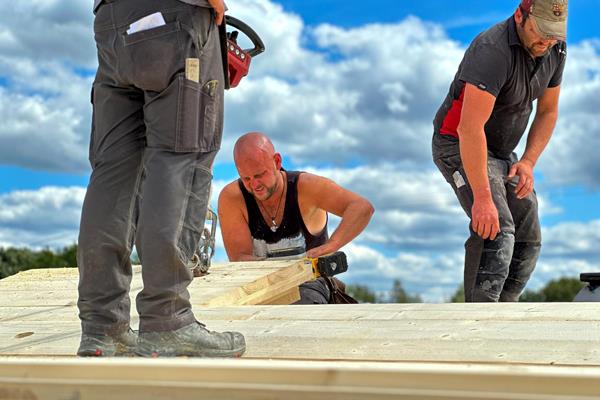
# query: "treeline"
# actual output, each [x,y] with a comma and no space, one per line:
[13,260]
[364,294]
[557,290]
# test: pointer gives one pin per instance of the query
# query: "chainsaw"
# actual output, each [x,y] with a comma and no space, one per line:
[236,60]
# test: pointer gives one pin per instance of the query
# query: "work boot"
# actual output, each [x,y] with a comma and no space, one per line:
[192,340]
[122,344]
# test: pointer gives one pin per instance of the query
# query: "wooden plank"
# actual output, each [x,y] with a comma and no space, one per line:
[266,288]
[477,312]
[87,379]
[305,332]
[226,284]
[289,297]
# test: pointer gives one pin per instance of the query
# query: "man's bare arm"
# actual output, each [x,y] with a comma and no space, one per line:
[316,192]
[477,108]
[234,225]
[537,139]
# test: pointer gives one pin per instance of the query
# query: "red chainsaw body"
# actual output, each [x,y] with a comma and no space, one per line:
[239,63]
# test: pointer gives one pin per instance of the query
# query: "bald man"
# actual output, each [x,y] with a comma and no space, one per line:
[271,213]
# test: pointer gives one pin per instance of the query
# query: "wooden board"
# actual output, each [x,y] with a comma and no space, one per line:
[226,284]
[540,334]
[530,351]
[126,379]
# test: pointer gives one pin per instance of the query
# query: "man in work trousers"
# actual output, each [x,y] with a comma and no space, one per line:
[157,125]
[476,130]
[270,212]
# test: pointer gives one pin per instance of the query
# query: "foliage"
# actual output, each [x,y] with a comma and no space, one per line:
[13,260]
[459,295]
[562,289]
[399,295]
[362,293]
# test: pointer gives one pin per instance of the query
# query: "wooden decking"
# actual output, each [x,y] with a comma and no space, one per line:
[365,351]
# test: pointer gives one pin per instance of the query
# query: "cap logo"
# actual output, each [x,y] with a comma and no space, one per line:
[558,9]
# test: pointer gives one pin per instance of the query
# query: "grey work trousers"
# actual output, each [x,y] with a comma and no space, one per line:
[314,292]
[495,270]
[155,134]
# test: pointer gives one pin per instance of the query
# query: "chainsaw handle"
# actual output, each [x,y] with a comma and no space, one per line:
[259,46]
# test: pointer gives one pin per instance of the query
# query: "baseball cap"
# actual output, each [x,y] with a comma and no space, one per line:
[549,15]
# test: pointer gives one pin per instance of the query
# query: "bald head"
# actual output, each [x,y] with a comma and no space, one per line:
[253,146]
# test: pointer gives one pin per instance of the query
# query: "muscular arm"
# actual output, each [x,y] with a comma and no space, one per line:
[234,224]
[317,194]
[476,110]
[537,139]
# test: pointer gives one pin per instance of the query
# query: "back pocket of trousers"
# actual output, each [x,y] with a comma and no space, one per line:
[175,118]
[153,56]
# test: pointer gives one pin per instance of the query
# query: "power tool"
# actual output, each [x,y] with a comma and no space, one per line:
[236,61]
[326,265]
[329,265]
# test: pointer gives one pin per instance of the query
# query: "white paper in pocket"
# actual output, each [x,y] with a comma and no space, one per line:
[148,22]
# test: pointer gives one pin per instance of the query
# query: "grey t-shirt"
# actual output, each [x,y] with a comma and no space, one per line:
[497,63]
[201,3]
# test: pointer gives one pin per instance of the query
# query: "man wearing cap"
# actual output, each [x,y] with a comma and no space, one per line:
[477,129]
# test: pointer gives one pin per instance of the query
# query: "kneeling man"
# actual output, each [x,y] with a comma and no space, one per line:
[270,212]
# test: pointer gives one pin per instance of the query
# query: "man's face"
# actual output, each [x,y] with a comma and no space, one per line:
[259,177]
[536,43]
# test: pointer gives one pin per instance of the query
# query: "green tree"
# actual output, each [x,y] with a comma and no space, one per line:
[68,256]
[399,295]
[362,293]
[13,260]
[563,289]
[459,295]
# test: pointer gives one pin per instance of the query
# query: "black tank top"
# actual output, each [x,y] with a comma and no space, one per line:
[291,229]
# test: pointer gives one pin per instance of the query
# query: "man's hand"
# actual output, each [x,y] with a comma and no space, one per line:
[219,7]
[484,218]
[524,170]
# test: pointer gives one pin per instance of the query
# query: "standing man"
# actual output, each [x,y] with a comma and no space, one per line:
[270,212]
[157,125]
[477,129]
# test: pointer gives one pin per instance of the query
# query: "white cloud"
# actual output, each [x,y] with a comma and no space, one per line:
[38,218]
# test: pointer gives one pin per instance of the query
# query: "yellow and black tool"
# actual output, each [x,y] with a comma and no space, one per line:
[329,264]
[326,265]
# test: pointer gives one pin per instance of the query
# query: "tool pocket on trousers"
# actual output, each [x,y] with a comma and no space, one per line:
[179,118]
[153,56]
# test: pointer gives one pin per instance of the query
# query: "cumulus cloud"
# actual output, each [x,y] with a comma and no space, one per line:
[571,158]
[39,218]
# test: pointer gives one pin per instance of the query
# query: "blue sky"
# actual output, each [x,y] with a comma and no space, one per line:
[346,89]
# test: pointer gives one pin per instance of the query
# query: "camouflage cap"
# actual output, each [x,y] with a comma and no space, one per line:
[549,15]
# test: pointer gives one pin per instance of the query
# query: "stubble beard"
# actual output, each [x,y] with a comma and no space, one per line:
[536,53]
[270,191]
